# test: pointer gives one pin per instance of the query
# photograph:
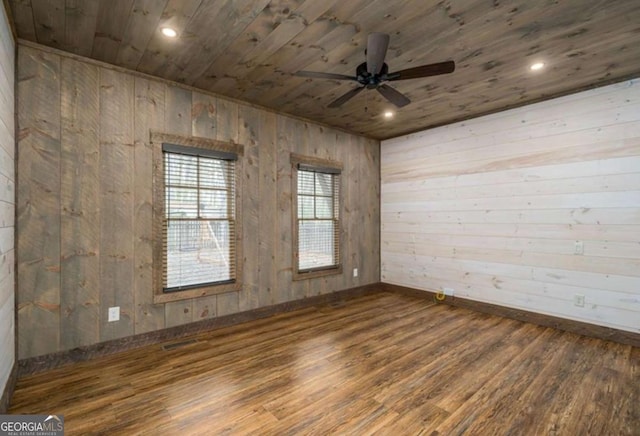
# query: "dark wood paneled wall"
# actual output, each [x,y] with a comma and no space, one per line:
[85,201]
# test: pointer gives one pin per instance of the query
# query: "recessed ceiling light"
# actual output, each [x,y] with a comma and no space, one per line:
[168,31]
[388,114]
[537,66]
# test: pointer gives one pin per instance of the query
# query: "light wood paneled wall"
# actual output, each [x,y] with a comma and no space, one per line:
[7,199]
[85,200]
[529,208]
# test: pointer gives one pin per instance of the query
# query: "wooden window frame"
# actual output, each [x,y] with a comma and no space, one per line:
[157,141]
[298,160]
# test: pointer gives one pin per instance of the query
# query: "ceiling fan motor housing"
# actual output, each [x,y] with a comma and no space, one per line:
[371,81]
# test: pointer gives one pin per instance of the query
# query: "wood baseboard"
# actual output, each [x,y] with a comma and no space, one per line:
[34,365]
[7,392]
[581,328]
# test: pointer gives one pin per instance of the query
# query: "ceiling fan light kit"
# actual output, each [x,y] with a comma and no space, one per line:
[372,73]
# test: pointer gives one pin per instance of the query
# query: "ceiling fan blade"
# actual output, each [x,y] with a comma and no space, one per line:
[377,45]
[345,97]
[423,71]
[393,96]
[318,75]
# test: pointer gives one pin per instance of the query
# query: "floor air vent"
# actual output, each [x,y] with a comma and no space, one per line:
[178,344]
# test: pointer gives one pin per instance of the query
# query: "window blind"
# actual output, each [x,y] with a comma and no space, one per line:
[318,217]
[199,219]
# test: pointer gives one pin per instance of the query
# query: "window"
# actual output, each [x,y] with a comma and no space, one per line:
[197,225]
[317,217]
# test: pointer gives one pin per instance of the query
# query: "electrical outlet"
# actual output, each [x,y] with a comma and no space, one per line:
[579,247]
[448,291]
[578,300]
[355,272]
[114,314]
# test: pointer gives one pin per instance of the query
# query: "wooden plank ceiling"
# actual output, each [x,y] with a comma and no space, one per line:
[249,49]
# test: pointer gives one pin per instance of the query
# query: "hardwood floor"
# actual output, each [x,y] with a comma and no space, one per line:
[385,364]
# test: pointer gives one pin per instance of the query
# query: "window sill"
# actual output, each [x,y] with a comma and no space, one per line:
[314,274]
[168,297]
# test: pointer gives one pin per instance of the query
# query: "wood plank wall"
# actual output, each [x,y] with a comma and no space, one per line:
[85,201]
[7,200]
[526,208]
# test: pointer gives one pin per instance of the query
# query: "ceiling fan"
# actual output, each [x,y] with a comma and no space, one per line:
[374,72]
